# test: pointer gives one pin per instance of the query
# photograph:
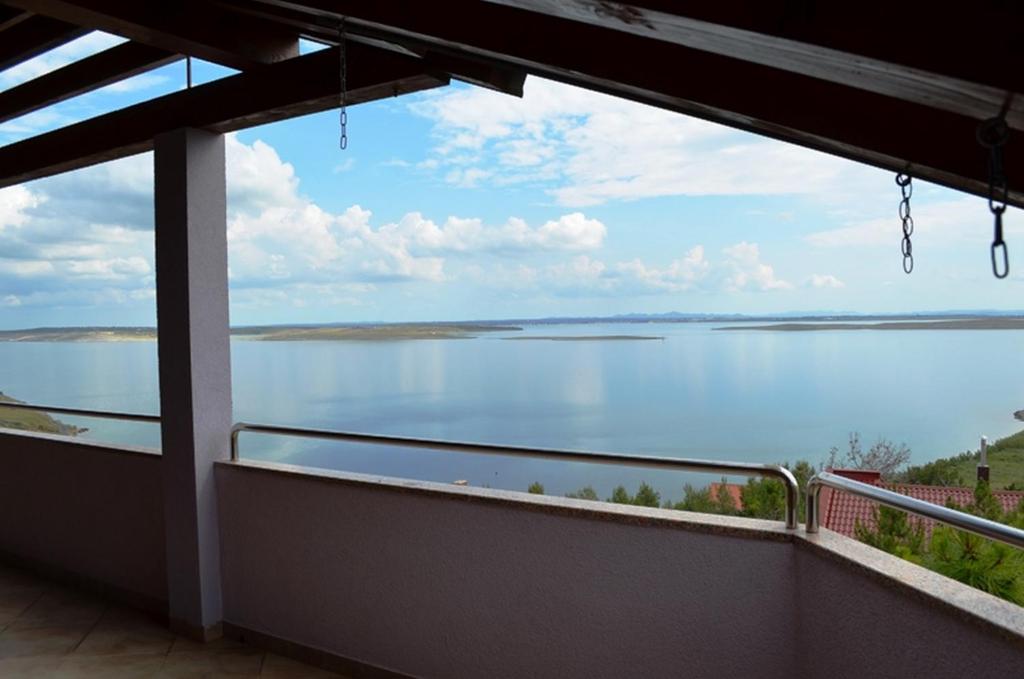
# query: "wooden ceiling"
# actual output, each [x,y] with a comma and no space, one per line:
[899,86]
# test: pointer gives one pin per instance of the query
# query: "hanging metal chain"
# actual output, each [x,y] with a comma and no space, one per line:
[993,135]
[343,76]
[906,184]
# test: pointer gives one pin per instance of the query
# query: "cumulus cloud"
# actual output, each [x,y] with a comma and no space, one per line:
[589,148]
[86,236]
[739,269]
[681,274]
[15,201]
[824,281]
[277,234]
[748,272]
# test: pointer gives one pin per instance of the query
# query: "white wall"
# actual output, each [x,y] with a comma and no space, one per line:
[90,510]
[475,583]
[440,585]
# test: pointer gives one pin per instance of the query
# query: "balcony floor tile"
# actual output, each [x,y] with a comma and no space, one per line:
[47,630]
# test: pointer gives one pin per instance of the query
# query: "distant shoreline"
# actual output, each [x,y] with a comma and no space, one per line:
[330,333]
[583,338]
[950,324]
[472,329]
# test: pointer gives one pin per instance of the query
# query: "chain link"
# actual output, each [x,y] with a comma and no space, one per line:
[906,184]
[993,135]
[343,77]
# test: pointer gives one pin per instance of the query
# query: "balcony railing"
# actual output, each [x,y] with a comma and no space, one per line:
[957,519]
[662,463]
[962,520]
[80,412]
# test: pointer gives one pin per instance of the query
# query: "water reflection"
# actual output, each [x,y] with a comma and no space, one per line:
[698,393]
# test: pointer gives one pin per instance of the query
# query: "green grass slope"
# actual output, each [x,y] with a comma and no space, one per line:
[29,420]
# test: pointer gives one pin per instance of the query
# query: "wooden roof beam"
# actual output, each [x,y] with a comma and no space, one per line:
[964,60]
[481,73]
[897,135]
[192,27]
[295,87]
[9,17]
[91,73]
[33,36]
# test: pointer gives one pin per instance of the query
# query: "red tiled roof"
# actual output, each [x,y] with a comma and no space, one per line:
[841,510]
[734,490]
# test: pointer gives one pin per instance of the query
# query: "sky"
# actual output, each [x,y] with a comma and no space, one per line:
[463,203]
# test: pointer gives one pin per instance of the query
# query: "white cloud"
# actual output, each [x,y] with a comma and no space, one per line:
[345,165]
[593,148]
[739,269]
[681,274]
[277,236]
[15,201]
[748,272]
[824,281]
[60,56]
[86,238]
[962,219]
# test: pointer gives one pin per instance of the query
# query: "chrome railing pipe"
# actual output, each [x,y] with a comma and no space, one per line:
[678,464]
[962,520]
[79,412]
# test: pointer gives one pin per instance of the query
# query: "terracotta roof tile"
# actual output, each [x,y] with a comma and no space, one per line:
[841,510]
[734,490]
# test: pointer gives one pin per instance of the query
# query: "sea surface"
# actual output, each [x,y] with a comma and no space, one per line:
[696,392]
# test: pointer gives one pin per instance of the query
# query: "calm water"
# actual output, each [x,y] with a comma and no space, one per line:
[742,395]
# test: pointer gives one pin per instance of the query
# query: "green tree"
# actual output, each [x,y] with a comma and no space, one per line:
[946,472]
[766,498]
[893,532]
[696,500]
[585,493]
[647,496]
[724,500]
[984,564]
[621,496]
[536,488]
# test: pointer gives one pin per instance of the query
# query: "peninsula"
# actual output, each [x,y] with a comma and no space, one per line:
[32,420]
[272,333]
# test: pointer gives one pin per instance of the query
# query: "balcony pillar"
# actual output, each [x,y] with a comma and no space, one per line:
[195,367]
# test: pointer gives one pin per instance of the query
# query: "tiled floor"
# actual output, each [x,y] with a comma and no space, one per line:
[48,630]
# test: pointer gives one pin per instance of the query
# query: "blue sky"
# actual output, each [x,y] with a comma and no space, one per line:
[461,203]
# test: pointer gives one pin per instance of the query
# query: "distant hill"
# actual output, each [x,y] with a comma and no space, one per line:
[471,328]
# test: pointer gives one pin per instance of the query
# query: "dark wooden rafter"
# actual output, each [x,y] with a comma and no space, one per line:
[894,43]
[892,133]
[10,17]
[483,73]
[291,88]
[111,65]
[33,36]
[193,27]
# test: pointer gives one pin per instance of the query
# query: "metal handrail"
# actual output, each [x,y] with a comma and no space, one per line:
[962,520]
[105,414]
[679,464]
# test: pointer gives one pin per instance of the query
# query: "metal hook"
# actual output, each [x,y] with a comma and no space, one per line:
[999,244]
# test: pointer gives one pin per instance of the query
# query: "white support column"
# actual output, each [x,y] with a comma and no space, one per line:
[195,367]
